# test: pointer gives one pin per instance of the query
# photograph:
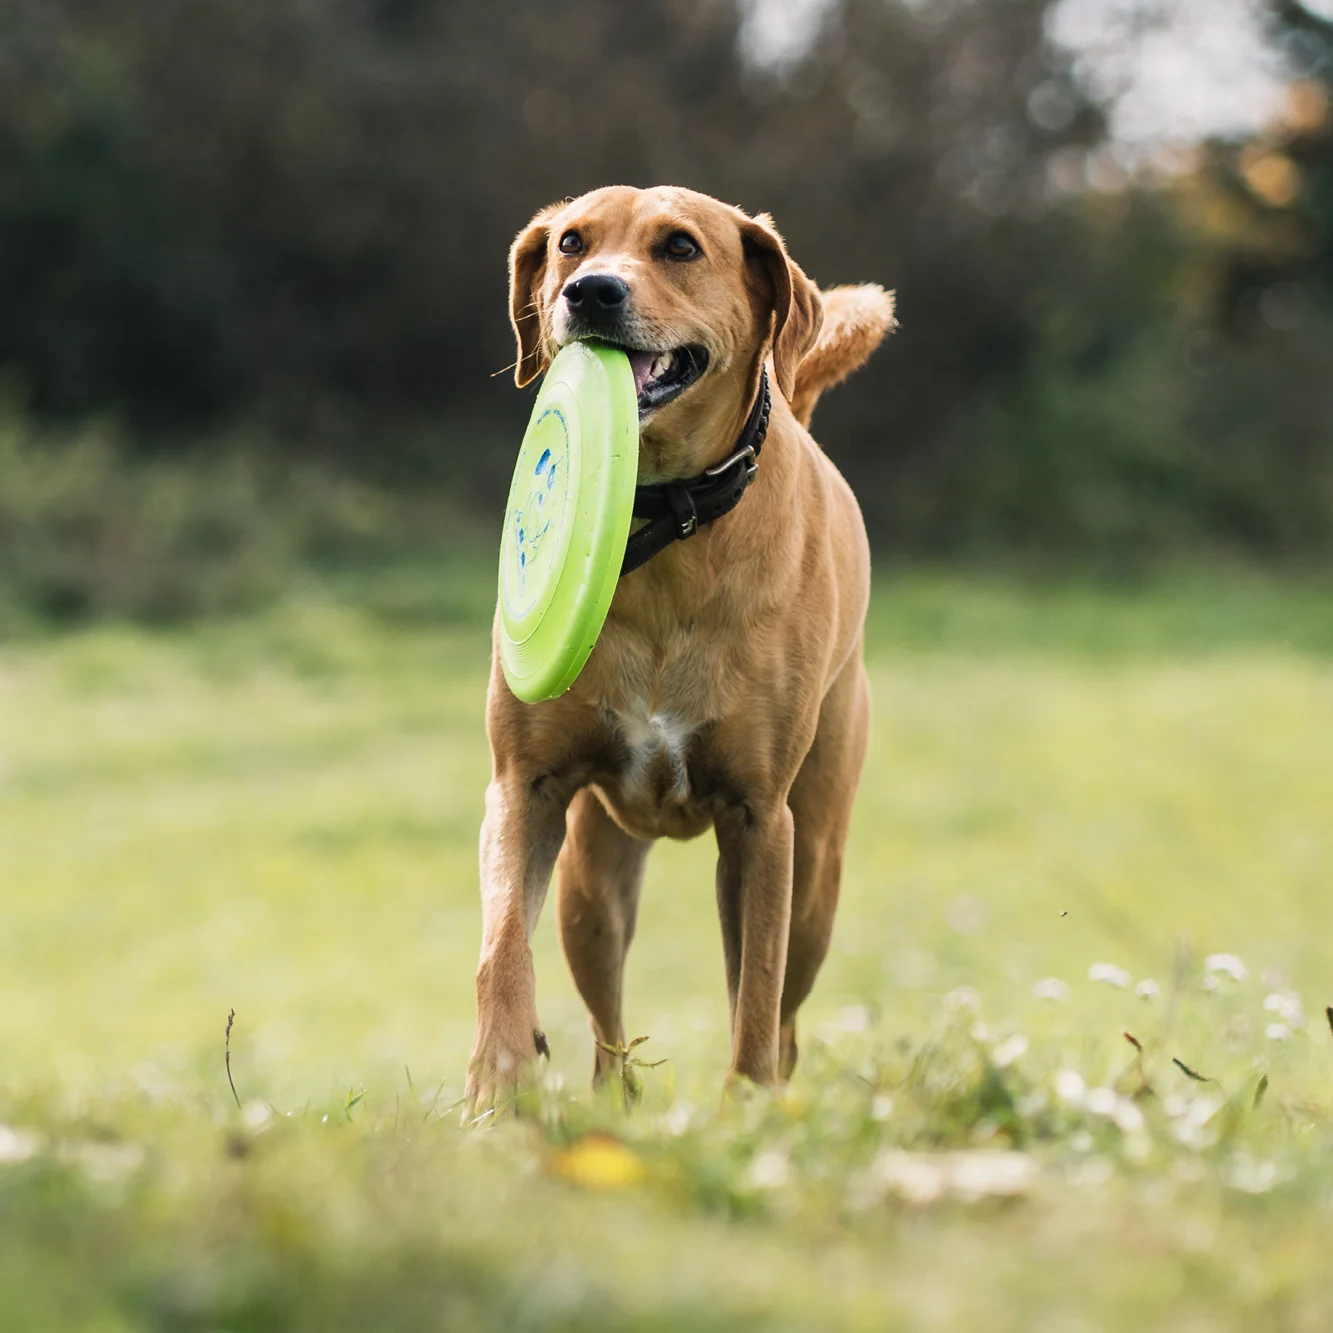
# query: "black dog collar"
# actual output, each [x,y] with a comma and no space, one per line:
[675,509]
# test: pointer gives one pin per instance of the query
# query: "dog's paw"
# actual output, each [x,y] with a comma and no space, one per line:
[501,1068]
[742,1090]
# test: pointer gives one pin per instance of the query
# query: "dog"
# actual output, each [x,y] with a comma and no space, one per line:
[727,688]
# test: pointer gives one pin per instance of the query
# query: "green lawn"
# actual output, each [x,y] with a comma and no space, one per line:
[278,814]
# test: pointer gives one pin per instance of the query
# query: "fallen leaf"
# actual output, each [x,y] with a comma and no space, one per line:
[598,1162]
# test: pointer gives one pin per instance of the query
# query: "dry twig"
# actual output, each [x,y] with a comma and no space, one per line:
[1191,1073]
[629,1080]
[226,1044]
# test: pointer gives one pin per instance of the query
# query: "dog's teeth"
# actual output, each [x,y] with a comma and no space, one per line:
[661,366]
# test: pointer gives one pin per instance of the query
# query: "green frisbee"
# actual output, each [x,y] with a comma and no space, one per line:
[567,520]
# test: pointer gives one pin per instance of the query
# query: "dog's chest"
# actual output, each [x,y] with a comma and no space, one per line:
[659,713]
[656,745]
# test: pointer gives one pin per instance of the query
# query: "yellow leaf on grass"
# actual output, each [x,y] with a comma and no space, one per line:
[598,1162]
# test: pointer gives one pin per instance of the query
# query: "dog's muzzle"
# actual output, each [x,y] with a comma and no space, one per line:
[598,306]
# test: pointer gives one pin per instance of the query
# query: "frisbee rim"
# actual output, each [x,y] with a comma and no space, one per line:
[546,640]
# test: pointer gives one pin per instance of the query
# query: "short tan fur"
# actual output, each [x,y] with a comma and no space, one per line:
[727,689]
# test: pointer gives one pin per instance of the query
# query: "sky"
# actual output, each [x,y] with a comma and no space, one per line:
[1174,71]
[1169,72]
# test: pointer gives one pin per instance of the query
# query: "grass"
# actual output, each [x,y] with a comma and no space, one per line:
[278,812]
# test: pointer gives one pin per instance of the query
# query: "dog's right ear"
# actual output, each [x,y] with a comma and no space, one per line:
[527,268]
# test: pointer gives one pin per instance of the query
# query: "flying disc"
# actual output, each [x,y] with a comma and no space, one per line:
[567,520]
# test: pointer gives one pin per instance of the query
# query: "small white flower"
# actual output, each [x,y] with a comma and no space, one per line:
[1227,964]
[17,1145]
[678,1119]
[255,1115]
[980,1032]
[1190,1127]
[913,1177]
[106,1164]
[1148,989]
[978,1175]
[1250,1175]
[1009,1050]
[1174,1105]
[1070,1087]
[855,1018]
[881,1106]
[962,998]
[925,1178]
[1100,1101]
[1033,1104]
[1052,988]
[1287,1006]
[1127,1116]
[1210,983]
[1138,1147]
[770,1170]
[1109,974]
[1277,1032]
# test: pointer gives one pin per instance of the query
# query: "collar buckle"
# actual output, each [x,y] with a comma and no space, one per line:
[746,453]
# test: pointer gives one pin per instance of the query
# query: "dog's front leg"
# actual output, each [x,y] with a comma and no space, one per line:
[520,839]
[754,884]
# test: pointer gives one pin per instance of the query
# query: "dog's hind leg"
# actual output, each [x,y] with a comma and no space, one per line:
[598,877]
[821,806]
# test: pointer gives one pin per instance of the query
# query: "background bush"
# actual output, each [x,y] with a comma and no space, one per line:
[89,528]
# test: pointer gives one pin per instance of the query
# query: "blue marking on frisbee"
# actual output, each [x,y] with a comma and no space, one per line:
[533,520]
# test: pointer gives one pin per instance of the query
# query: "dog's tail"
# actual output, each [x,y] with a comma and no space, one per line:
[855,322]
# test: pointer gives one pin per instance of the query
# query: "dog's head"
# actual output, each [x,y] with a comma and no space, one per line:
[694,290]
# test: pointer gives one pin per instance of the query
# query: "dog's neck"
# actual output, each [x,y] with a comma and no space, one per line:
[684,444]
[675,510]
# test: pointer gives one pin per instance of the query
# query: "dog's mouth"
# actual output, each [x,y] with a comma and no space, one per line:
[660,377]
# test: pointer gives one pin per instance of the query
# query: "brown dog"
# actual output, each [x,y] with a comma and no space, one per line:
[727,687]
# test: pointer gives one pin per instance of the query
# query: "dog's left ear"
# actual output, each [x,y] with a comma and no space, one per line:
[798,312]
[527,268]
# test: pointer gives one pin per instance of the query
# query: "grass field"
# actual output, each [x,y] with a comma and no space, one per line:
[278,814]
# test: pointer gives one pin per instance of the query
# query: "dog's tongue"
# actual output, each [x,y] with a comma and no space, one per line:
[641,363]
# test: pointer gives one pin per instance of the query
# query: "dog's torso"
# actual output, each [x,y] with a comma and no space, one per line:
[706,679]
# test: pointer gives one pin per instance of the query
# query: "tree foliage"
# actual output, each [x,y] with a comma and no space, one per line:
[222,209]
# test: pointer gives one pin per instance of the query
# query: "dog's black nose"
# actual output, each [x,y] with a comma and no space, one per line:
[596,292]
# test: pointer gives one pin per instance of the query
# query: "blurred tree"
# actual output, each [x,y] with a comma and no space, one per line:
[1261,354]
[213,209]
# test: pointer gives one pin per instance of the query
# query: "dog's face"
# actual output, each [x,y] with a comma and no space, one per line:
[695,291]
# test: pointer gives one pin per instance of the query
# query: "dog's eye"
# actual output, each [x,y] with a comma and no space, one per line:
[571,243]
[681,245]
